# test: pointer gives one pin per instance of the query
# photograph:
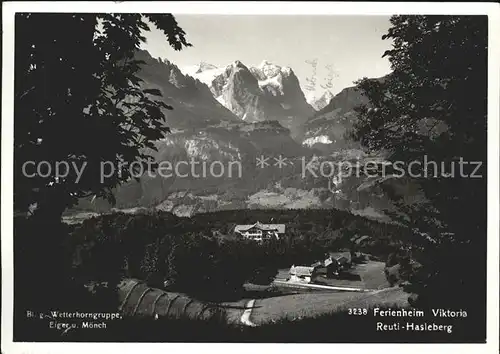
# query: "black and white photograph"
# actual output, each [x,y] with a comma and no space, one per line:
[208,174]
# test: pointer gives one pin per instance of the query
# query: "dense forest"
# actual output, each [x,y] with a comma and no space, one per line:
[202,255]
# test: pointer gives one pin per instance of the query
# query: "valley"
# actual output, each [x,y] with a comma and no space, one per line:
[237,114]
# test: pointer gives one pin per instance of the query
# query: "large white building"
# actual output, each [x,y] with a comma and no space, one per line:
[260,232]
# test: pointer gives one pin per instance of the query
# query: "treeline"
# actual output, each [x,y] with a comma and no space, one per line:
[309,231]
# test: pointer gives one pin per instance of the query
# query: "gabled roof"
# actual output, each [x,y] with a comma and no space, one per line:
[280,228]
[301,270]
[340,256]
[342,259]
[338,260]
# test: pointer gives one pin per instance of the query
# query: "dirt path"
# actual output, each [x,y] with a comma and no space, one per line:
[245,318]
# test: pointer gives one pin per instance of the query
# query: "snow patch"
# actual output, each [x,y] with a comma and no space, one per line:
[290,198]
[315,97]
[321,139]
[221,100]
[268,69]
[286,70]
[275,82]
[370,213]
[206,73]
[311,96]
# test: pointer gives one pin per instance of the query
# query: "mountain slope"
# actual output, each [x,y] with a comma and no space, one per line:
[326,129]
[193,103]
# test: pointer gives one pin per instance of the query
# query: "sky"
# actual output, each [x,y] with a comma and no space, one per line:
[342,48]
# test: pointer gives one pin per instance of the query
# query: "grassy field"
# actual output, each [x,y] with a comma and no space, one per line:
[234,309]
[372,275]
[369,275]
[295,303]
[315,303]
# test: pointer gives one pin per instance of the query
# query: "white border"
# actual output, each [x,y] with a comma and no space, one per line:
[312,8]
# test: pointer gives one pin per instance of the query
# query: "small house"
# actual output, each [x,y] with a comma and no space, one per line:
[332,267]
[343,258]
[337,262]
[303,274]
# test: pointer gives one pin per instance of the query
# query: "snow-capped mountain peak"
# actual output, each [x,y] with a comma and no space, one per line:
[286,70]
[204,72]
[328,95]
[318,99]
[269,69]
[238,65]
[204,67]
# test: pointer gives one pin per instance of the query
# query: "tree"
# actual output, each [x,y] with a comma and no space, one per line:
[78,99]
[151,265]
[434,104]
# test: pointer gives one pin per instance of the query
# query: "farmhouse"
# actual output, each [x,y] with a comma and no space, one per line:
[302,274]
[336,262]
[260,232]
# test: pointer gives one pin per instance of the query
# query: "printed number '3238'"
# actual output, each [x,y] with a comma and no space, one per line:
[358,312]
